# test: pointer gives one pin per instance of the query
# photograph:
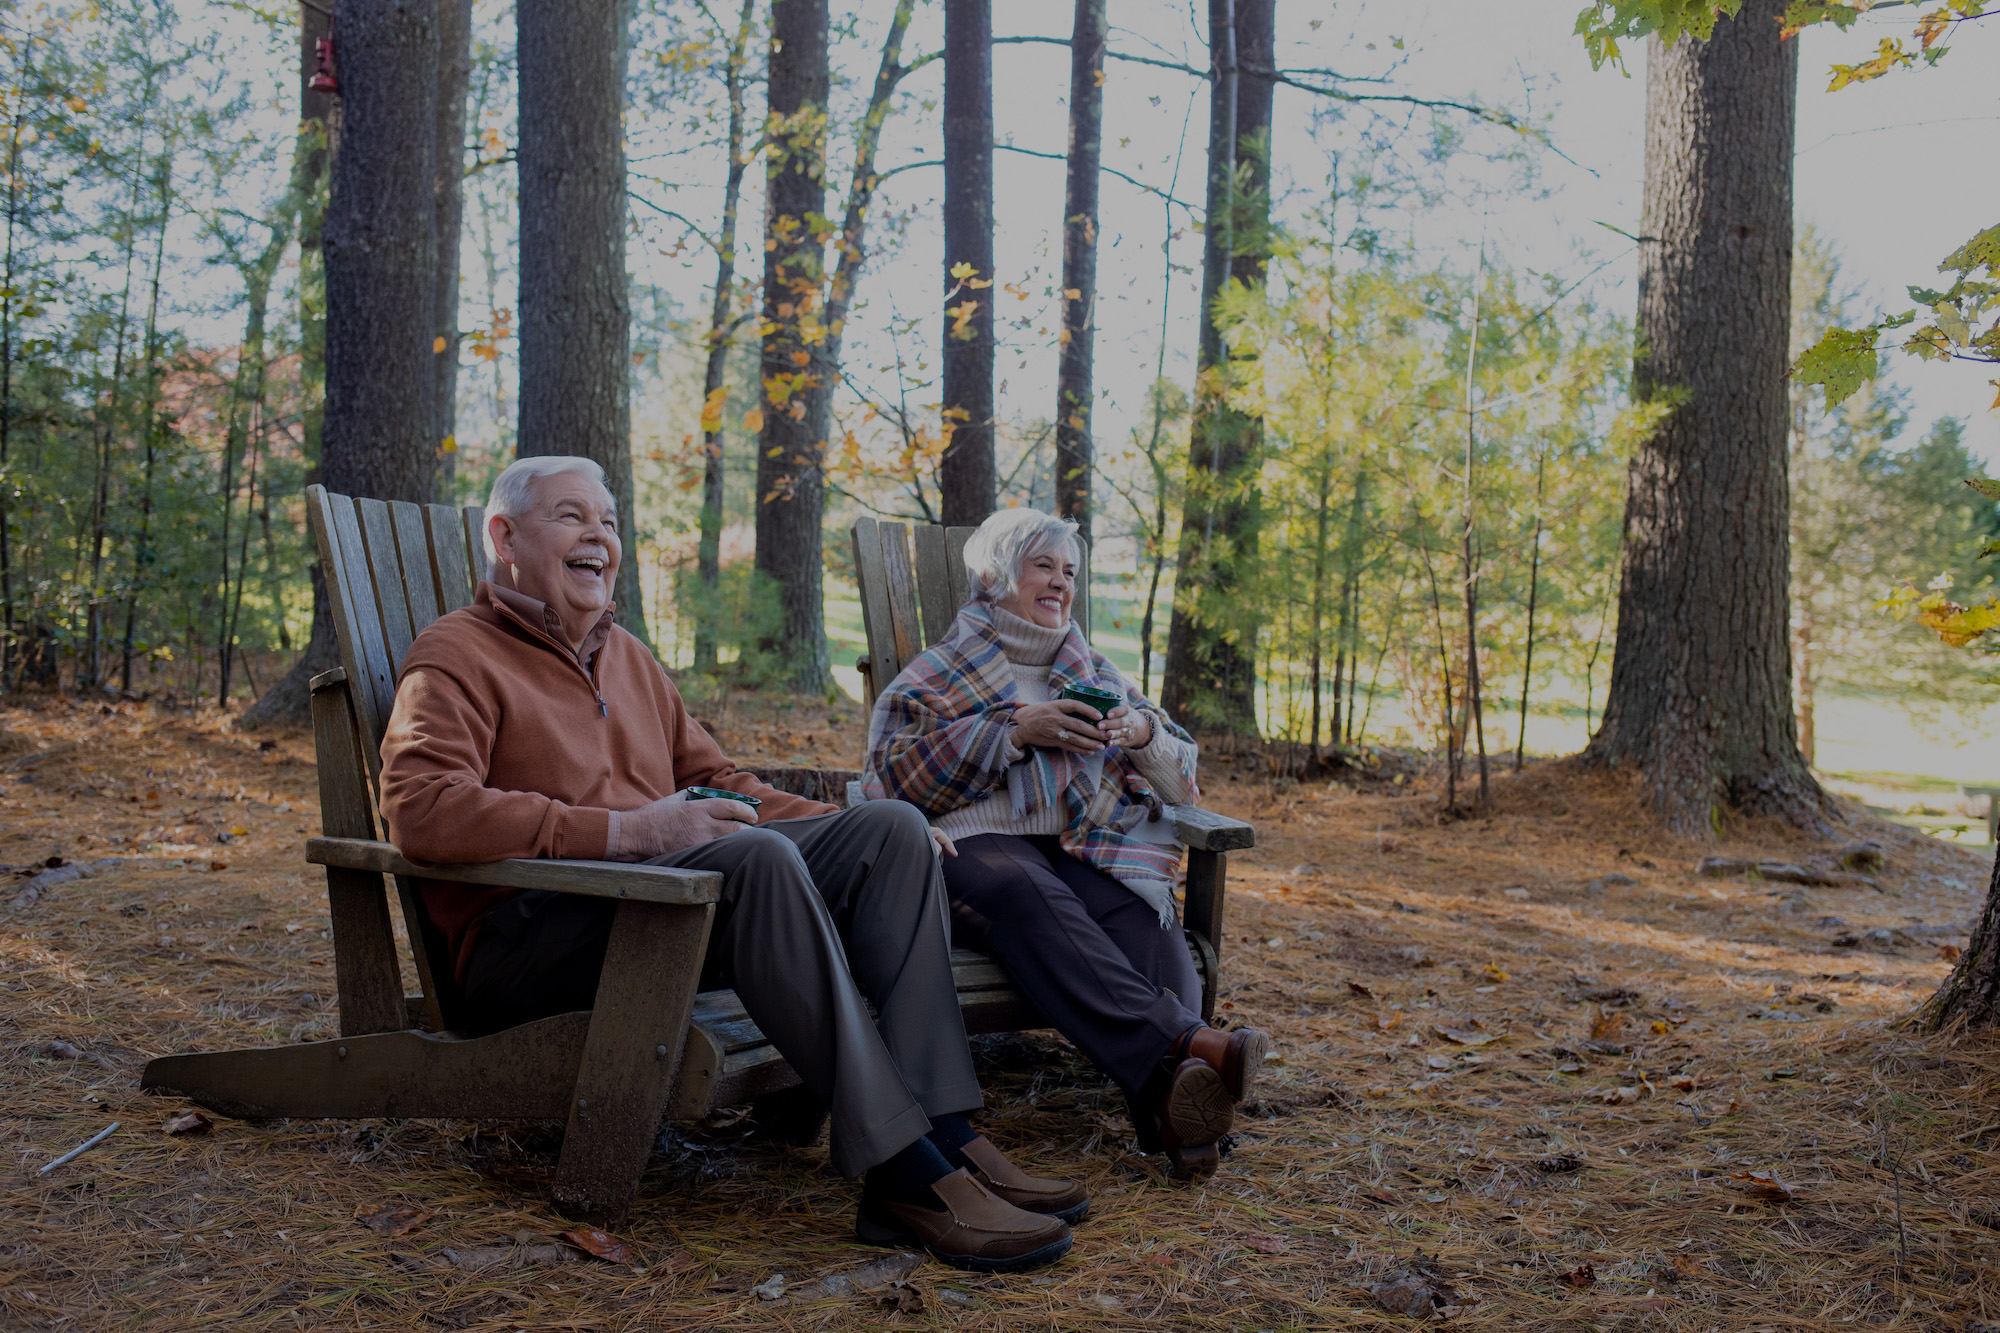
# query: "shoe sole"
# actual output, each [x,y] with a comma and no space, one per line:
[1196,1163]
[1200,1109]
[871,1231]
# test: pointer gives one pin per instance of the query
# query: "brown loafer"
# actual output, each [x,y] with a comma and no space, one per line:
[1237,1055]
[1192,1116]
[974,1231]
[1053,1197]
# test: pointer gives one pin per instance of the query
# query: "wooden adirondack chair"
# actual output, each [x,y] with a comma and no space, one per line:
[650,1048]
[906,606]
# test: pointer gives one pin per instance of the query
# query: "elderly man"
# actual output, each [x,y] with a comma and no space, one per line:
[529,724]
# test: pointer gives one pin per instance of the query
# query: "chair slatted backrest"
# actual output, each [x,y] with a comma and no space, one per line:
[391,569]
[907,605]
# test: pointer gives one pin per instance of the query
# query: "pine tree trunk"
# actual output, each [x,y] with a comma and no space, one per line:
[791,482]
[575,319]
[289,701]
[1211,667]
[454,71]
[1075,396]
[966,474]
[381,251]
[1701,674]
[721,324]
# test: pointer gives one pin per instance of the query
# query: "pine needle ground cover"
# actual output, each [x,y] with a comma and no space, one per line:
[1531,1071]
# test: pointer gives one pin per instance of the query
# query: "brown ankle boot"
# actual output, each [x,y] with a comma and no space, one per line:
[973,1230]
[1053,1196]
[1237,1055]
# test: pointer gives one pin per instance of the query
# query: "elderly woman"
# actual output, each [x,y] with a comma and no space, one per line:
[1063,868]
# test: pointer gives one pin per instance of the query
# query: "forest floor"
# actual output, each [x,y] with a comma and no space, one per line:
[1532,1060]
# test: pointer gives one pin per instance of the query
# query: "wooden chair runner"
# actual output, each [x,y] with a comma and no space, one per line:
[907,605]
[650,1047]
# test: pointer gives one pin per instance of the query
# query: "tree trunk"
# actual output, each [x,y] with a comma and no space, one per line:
[966,472]
[721,324]
[1211,668]
[454,71]
[1075,397]
[575,322]
[791,482]
[1701,673]
[380,245]
[289,701]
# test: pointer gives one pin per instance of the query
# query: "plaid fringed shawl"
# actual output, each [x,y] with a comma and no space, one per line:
[938,739]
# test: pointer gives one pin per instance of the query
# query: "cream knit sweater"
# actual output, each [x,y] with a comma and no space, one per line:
[1031,653]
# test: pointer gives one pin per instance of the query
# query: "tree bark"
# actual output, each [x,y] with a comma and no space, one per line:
[966,473]
[721,324]
[1075,396]
[454,72]
[1211,668]
[575,319]
[791,482]
[289,701]
[381,251]
[1701,674]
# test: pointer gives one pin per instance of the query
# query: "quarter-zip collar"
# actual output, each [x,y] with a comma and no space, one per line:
[541,620]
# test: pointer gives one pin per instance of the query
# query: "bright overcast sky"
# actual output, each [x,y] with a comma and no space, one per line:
[1895,173]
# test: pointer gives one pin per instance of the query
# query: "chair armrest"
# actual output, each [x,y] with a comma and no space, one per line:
[1206,831]
[597,879]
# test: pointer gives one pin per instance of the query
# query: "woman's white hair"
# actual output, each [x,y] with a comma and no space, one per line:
[510,495]
[1006,541]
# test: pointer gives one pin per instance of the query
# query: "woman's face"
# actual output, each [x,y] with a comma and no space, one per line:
[1045,588]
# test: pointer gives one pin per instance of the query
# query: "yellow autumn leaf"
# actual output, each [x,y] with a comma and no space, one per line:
[449,445]
[1957,625]
[753,420]
[711,409]
[437,344]
[961,271]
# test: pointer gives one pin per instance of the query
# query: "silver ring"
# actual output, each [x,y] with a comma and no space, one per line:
[1062,735]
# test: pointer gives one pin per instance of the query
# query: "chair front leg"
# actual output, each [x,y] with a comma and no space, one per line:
[638,1027]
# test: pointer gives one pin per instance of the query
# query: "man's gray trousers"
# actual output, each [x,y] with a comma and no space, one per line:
[818,918]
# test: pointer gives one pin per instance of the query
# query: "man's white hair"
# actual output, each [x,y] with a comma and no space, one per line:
[510,495]
[1008,540]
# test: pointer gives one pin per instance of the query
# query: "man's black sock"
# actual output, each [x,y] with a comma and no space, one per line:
[951,1132]
[908,1176]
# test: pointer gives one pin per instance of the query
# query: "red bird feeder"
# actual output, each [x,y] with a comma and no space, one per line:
[323,79]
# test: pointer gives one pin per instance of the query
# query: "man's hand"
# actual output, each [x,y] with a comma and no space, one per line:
[1059,724]
[676,822]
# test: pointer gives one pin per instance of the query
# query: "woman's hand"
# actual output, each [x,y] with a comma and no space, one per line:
[1059,724]
[943,843]
[1123,726]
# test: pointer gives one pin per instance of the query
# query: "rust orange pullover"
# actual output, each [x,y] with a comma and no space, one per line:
[504,743]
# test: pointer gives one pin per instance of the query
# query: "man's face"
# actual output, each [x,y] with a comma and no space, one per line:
[564,550]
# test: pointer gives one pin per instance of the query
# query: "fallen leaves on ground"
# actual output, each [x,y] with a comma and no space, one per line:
[188,1122]
[602,1244]
[1765,1185]
[1583,1275]
[1268,1244]
[1467,1037]
[1417,1290]
[390,1219]
[887,1277]
[1361,990]
[479,1258]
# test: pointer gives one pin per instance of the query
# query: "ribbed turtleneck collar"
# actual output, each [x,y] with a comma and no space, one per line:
[1026,642]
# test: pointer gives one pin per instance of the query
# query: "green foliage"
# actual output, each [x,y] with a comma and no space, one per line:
[1872,520]
[1604,23]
